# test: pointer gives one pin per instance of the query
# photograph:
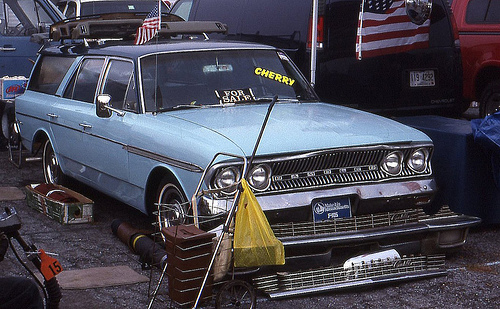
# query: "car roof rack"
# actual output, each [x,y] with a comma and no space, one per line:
[124,26]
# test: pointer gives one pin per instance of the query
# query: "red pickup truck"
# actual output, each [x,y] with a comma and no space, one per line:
[478,24]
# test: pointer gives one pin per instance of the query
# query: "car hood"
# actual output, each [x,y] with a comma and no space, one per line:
[297,127]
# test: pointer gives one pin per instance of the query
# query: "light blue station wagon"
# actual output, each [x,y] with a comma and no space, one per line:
[142,123]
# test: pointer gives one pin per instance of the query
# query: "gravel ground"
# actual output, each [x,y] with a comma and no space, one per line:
[472,280]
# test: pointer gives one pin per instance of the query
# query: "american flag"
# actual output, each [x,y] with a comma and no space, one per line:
[149,27]
[385,28]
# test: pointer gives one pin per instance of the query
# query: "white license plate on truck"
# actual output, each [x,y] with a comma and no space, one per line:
[422,78]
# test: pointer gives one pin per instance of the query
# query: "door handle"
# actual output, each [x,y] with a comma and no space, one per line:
[52,115]
[85,125]
[3,48]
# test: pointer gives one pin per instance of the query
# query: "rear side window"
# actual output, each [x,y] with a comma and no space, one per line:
[483,11]
[49,73]
[83,84]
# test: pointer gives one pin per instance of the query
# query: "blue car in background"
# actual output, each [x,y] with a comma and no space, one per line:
[142,123]
[24,28]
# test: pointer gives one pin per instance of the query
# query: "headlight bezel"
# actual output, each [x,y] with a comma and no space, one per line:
[425,153]
[262,185]
[389,159]
[230,187]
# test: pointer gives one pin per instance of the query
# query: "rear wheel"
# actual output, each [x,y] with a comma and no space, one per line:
[490,99]
[172,205]
[51,169]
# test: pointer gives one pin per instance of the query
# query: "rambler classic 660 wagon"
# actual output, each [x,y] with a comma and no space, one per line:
[141,123]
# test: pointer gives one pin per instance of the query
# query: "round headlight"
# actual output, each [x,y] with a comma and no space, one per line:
[259,177]
[227,178]
[392,163]
[418,160]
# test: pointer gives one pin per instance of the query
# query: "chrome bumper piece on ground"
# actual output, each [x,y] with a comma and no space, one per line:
[436,234]
[286,284]
[378,226]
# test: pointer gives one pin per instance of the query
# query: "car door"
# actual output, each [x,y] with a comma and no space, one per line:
[70,113]
[106,138]
[21,24]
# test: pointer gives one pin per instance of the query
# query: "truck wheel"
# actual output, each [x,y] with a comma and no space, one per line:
[490,99]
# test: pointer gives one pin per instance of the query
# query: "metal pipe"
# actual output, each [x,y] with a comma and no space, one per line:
[314,42]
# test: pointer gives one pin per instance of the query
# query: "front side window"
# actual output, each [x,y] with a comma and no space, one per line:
[48,73]
[83,84]
[120,85]
[203,78]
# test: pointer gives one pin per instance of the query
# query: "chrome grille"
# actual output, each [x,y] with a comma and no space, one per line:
[356,223]
[340,167]
[331,276]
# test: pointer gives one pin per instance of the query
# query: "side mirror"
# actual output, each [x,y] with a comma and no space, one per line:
[103,109]
[103,105]
[418,10]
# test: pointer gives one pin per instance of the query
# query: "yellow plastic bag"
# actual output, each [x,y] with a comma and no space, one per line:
[254,240]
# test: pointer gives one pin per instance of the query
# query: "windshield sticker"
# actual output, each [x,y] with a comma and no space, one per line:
[235,96]
[274,76]
[217,68]
[283,56]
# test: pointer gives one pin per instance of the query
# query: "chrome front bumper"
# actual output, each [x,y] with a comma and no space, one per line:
[372,228]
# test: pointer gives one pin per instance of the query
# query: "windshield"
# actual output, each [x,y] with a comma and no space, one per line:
[190,79]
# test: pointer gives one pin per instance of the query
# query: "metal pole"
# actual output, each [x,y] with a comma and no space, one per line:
[314,41]
[232,211]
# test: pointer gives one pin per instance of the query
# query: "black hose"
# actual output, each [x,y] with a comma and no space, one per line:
[148,250]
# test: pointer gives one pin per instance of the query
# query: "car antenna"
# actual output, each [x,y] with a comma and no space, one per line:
[264,124]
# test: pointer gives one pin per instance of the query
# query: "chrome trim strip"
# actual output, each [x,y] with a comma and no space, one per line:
[164,159]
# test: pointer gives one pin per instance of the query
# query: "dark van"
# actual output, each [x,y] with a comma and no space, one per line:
[409,59]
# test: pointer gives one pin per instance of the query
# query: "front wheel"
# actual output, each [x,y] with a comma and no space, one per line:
[490,99]
[51,168]
[172,205]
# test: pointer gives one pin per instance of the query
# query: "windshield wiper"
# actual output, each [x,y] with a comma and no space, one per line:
[180,106]
[269,99]
[185,106]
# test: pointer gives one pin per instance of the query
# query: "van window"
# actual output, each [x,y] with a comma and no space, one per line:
[208,11]
[182,8]
[49,73]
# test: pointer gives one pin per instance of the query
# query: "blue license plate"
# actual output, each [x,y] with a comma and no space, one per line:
[331,208]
